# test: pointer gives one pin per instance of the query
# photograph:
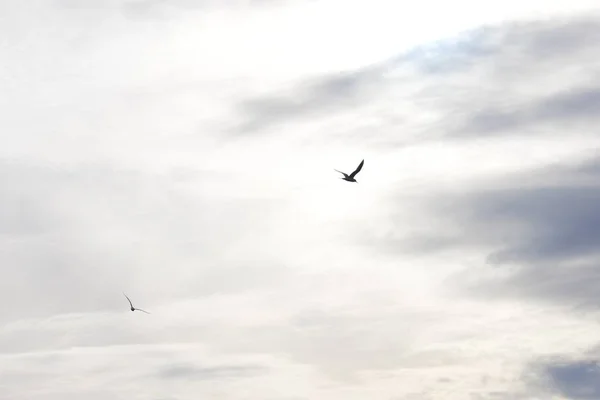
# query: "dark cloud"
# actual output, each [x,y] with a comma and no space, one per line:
[542,228]
[577,380]
[546,377]
[573,379]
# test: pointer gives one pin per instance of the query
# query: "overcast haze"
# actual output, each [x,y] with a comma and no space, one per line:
[183,152]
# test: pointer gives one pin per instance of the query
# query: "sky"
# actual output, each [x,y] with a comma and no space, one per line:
[183,152]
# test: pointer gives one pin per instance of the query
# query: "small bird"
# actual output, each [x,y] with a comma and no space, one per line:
[350,178]
[132,307]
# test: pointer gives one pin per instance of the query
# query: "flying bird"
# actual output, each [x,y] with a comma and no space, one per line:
[132,307]
[350,178]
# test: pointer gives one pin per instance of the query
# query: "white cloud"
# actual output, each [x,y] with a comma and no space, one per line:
[184,153]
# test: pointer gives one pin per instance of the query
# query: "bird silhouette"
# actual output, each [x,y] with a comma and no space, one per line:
[350,178]
[132,307]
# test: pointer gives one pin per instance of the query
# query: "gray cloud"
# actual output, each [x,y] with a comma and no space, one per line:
[248,268]
[476,83]
[195,372]
[545,224]
[576,380]
[571,377]
[573,108]
[312,98]
[516,56]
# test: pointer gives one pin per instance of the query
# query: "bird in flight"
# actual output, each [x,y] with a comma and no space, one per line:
[350,178]
[132,307]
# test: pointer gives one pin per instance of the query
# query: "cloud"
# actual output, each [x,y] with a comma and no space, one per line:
[571,109]
[192,372]
[479,83]
[318,97]
[576,380]
[45,207]
[138,156]
[571,377]
[539,227]
[516,57]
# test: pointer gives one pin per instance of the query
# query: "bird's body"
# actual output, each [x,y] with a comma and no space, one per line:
[132,307]
[350,178]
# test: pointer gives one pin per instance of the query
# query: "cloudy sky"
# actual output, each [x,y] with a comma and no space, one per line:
[183,152]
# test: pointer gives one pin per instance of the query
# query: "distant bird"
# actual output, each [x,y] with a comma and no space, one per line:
[350,178]
[132,307]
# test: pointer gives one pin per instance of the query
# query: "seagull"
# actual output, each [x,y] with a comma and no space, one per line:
[132,307]
[350,178]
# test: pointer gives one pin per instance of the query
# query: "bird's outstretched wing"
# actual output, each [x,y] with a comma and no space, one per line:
[357,170]
[343,173]
[128,300]
[139,309]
